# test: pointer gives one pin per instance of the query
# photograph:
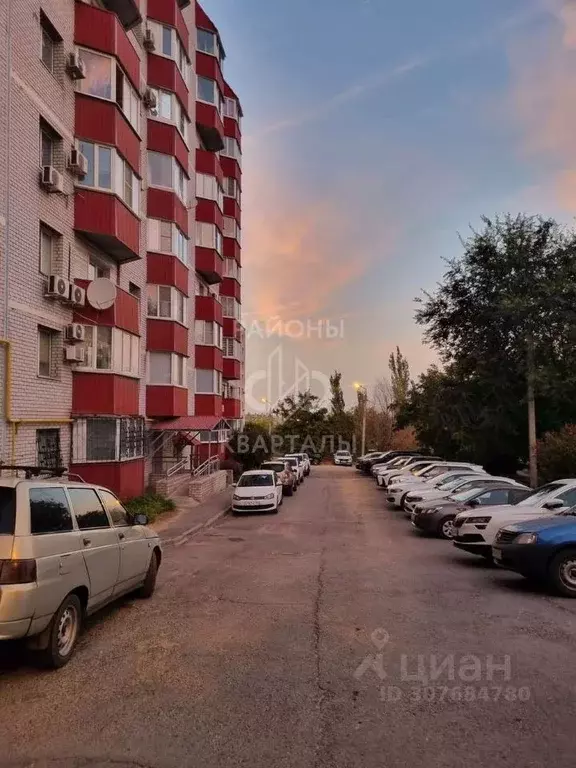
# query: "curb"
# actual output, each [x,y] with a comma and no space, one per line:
[182,538]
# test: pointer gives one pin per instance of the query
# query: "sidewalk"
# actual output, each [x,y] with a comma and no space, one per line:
[191,517]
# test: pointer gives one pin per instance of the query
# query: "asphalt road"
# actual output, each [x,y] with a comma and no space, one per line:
[308,640]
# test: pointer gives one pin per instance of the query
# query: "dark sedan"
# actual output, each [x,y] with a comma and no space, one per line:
[437,516]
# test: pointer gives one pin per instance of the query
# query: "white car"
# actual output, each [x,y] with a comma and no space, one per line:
[446,485]
[399,487]
[343,458]
[476,531]
[383,477]
[304,459]
[258,490]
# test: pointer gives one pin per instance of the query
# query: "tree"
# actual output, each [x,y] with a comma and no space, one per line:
[337,396]
[504,320]
[251,446]
[557,453]
[400,378]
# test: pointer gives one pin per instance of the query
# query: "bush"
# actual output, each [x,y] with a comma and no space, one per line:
[557,454]
[151,504]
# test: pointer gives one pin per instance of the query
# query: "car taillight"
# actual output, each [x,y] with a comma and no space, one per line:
[17,571]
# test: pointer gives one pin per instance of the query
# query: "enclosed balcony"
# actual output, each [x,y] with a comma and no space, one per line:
[209,264]
[209,308]
[103,218]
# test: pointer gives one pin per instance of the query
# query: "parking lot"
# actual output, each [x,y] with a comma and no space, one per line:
[328,635]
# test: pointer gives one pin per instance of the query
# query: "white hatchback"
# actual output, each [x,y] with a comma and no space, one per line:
[259,490]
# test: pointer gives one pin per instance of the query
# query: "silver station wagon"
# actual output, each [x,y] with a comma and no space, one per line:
[66,549]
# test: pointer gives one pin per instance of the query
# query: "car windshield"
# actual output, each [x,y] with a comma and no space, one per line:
[256,481]
[276,466]
[292,462]
[449,482]
[7,511]
[468,485]
[539,494]
[465,495]
[342,453]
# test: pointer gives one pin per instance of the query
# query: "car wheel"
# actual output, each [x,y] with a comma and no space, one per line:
[403,501]
[147,589]
[446,528]
[562,572]
[63,634]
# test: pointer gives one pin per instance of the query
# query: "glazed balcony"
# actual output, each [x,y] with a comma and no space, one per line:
[169,12]
[208,358]
[209,264]
[103,219]
[209,308]
[230,287]
[208,405]
[166,269]
[210,126]
[166,139]
[102,31]
[232,369]
[164,73]
[164,401]
[105,394]
[124,313]
[166,205]
[232,408]
[209,163]
[166,336]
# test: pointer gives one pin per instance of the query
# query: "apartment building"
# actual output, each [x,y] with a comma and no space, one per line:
[120,179]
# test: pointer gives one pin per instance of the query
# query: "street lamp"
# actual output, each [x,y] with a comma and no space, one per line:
[362,398]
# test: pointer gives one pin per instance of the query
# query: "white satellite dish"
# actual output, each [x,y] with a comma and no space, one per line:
[101,293]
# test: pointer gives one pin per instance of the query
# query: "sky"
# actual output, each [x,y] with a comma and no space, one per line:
[376,132]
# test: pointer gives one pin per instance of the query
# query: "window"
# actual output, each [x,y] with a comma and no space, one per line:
[108,171]
[230,307]
[208,188]
[49,511]
[50,39]
[231,348]
[208,236]
[495,496]
[208,333]
[165,171]
[208,382]
[46,250]
[88,509]
[47,341]
[115,509]
[231,148]
[229,226]
[231,269]
[107,439]
[168,107]
[568,498]
[208,91]
[98,269]
[7,511]
[168,44]
[166,302]
[167,368]
[46,146]
[48,448]
[206,41]
[231,188]
[230,108]
[99,80]
[111,349]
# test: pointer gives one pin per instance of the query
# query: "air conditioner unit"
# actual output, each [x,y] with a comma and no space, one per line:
[77,295]
[75,354]
[149,41]
[58,288]
[149,99]
[51,180]
[75,66]
[75,332]
[78,163]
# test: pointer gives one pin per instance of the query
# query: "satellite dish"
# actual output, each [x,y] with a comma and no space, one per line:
[101,293]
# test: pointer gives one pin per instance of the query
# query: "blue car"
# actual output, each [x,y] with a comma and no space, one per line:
[543,549]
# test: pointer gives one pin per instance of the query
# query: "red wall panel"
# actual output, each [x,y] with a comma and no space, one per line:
[166,336]
[232,408]
[231,128]
[230,287]
[207,308]
[231,370]
[207,115]
[209,358]
[168,12]
[232,208]
[209,162]
[125,478]
[166,401]
[163,204]
[163,269]
[103,122]
[163,73]
[209,66]
[231,168]
[210,264]
[103,214]
[100,394]
[209,212]
[165,138]
[231,249]
[124,313]
[208,405]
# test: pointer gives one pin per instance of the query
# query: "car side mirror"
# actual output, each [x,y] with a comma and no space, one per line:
[140,519]
[473,503]
[553,504]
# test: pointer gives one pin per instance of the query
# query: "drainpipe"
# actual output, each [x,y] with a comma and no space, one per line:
[5,333]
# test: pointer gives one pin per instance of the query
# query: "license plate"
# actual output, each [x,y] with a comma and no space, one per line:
[497,554]
[252,502]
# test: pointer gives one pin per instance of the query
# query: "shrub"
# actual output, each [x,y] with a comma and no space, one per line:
[557,454]
[151,504]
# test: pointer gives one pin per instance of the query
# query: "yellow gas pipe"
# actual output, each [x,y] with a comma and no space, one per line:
[15,423]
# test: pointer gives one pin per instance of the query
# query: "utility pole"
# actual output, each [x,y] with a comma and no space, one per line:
[530,396]
[363,401]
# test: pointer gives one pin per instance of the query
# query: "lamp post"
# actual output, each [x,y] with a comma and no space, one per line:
[363,399]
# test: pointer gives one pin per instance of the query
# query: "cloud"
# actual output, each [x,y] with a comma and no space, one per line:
[544,96]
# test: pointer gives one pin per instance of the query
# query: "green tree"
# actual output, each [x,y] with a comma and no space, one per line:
[557,453]
[337,396]
[251,446]
[399,378]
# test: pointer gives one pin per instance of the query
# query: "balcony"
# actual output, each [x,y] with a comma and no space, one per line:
[231,167]
[103,123]
[165,138]
[165,269]
[208,308]
[210,126]
[103,219]
[232,328]
[165,204]
[102,31]
[209,264]
[209,66]
[163,73]
[104,394]
[209,163]
[209,212]
[232,408]
[232,249]
[169,12]
[124,313]
[230,287]
[166,336]
[232,369]
[163,401]
[208,358]
[232,208]
[231,128]
[208,405]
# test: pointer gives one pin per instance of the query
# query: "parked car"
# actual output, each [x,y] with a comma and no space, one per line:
[304,459]
[383,476]
[362,461]
[476,531]
[387,456]
[258,490]
[437,516]
[285,473]
[343,458]
[297,467]
[66,550]
[543,549]
[460,481]
[399,487]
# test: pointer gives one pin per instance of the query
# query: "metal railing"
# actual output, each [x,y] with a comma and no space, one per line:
[178,467]
[207,467]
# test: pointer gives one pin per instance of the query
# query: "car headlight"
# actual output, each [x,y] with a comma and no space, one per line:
[526,538]
[269,496]
[431,511]
[479,520]
[236,497]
